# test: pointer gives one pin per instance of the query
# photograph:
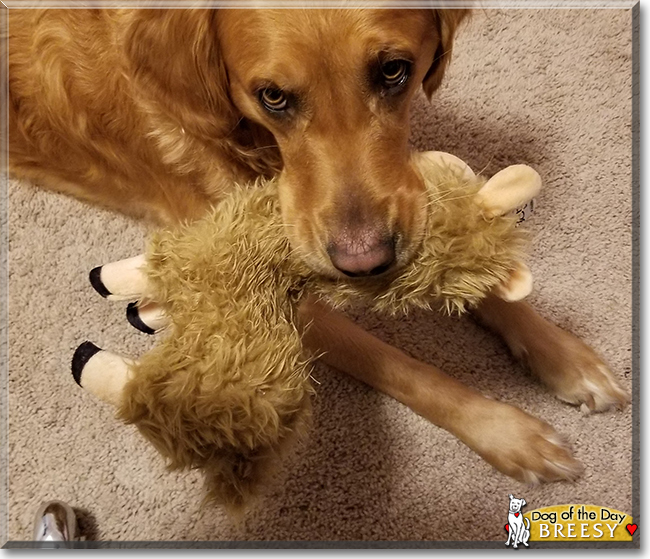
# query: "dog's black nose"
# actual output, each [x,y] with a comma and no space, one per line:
[364,254]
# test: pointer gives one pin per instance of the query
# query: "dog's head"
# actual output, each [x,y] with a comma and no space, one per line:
[516,504]
[333,87]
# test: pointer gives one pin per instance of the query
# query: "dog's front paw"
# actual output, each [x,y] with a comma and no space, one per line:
[574,373]
[519,445]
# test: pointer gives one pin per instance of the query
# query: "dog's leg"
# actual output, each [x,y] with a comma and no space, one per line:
[520,534]
[512,441]
[570,368]
[525,535]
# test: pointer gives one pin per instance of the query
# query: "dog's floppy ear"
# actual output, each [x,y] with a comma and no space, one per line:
[174,59]
[446,21]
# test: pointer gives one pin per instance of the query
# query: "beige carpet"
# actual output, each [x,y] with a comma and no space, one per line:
[548,88]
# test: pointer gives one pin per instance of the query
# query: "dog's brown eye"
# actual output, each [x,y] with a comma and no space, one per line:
[395,72]
[273,99]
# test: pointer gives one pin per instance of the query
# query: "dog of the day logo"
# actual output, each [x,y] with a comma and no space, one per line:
[563,523]
[518,526]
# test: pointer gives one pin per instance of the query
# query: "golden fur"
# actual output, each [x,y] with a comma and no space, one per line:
[110,116]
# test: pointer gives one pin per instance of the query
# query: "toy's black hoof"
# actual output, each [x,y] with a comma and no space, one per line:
[95,278]
[133,316]
[81,356]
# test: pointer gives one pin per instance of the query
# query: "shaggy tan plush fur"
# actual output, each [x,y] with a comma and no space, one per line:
[228,388]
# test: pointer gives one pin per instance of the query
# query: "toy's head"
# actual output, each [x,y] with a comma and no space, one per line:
[470,245]
[345,239]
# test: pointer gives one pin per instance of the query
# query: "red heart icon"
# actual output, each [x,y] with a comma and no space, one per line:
[631,528]
[516,515]
[507,528]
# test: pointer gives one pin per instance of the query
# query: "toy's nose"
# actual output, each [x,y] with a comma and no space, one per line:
[362,253]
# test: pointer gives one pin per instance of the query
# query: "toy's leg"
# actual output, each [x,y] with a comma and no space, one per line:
[102,373]
[512,441]
[120,281]
[569,367]
[149,318]
[125,280]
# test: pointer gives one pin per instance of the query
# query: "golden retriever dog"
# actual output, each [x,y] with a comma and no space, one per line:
[156,113]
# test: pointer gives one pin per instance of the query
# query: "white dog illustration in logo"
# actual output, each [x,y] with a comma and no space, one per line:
[518,527]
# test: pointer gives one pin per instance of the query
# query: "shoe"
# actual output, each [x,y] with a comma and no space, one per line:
[55,522]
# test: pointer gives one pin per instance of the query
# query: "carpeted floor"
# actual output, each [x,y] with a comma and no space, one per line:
[548,88]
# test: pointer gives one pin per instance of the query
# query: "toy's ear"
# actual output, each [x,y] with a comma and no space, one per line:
[506,191]
[518,286]
[509,189]
[437,159]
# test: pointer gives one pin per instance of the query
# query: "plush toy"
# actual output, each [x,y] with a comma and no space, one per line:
[228,388]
